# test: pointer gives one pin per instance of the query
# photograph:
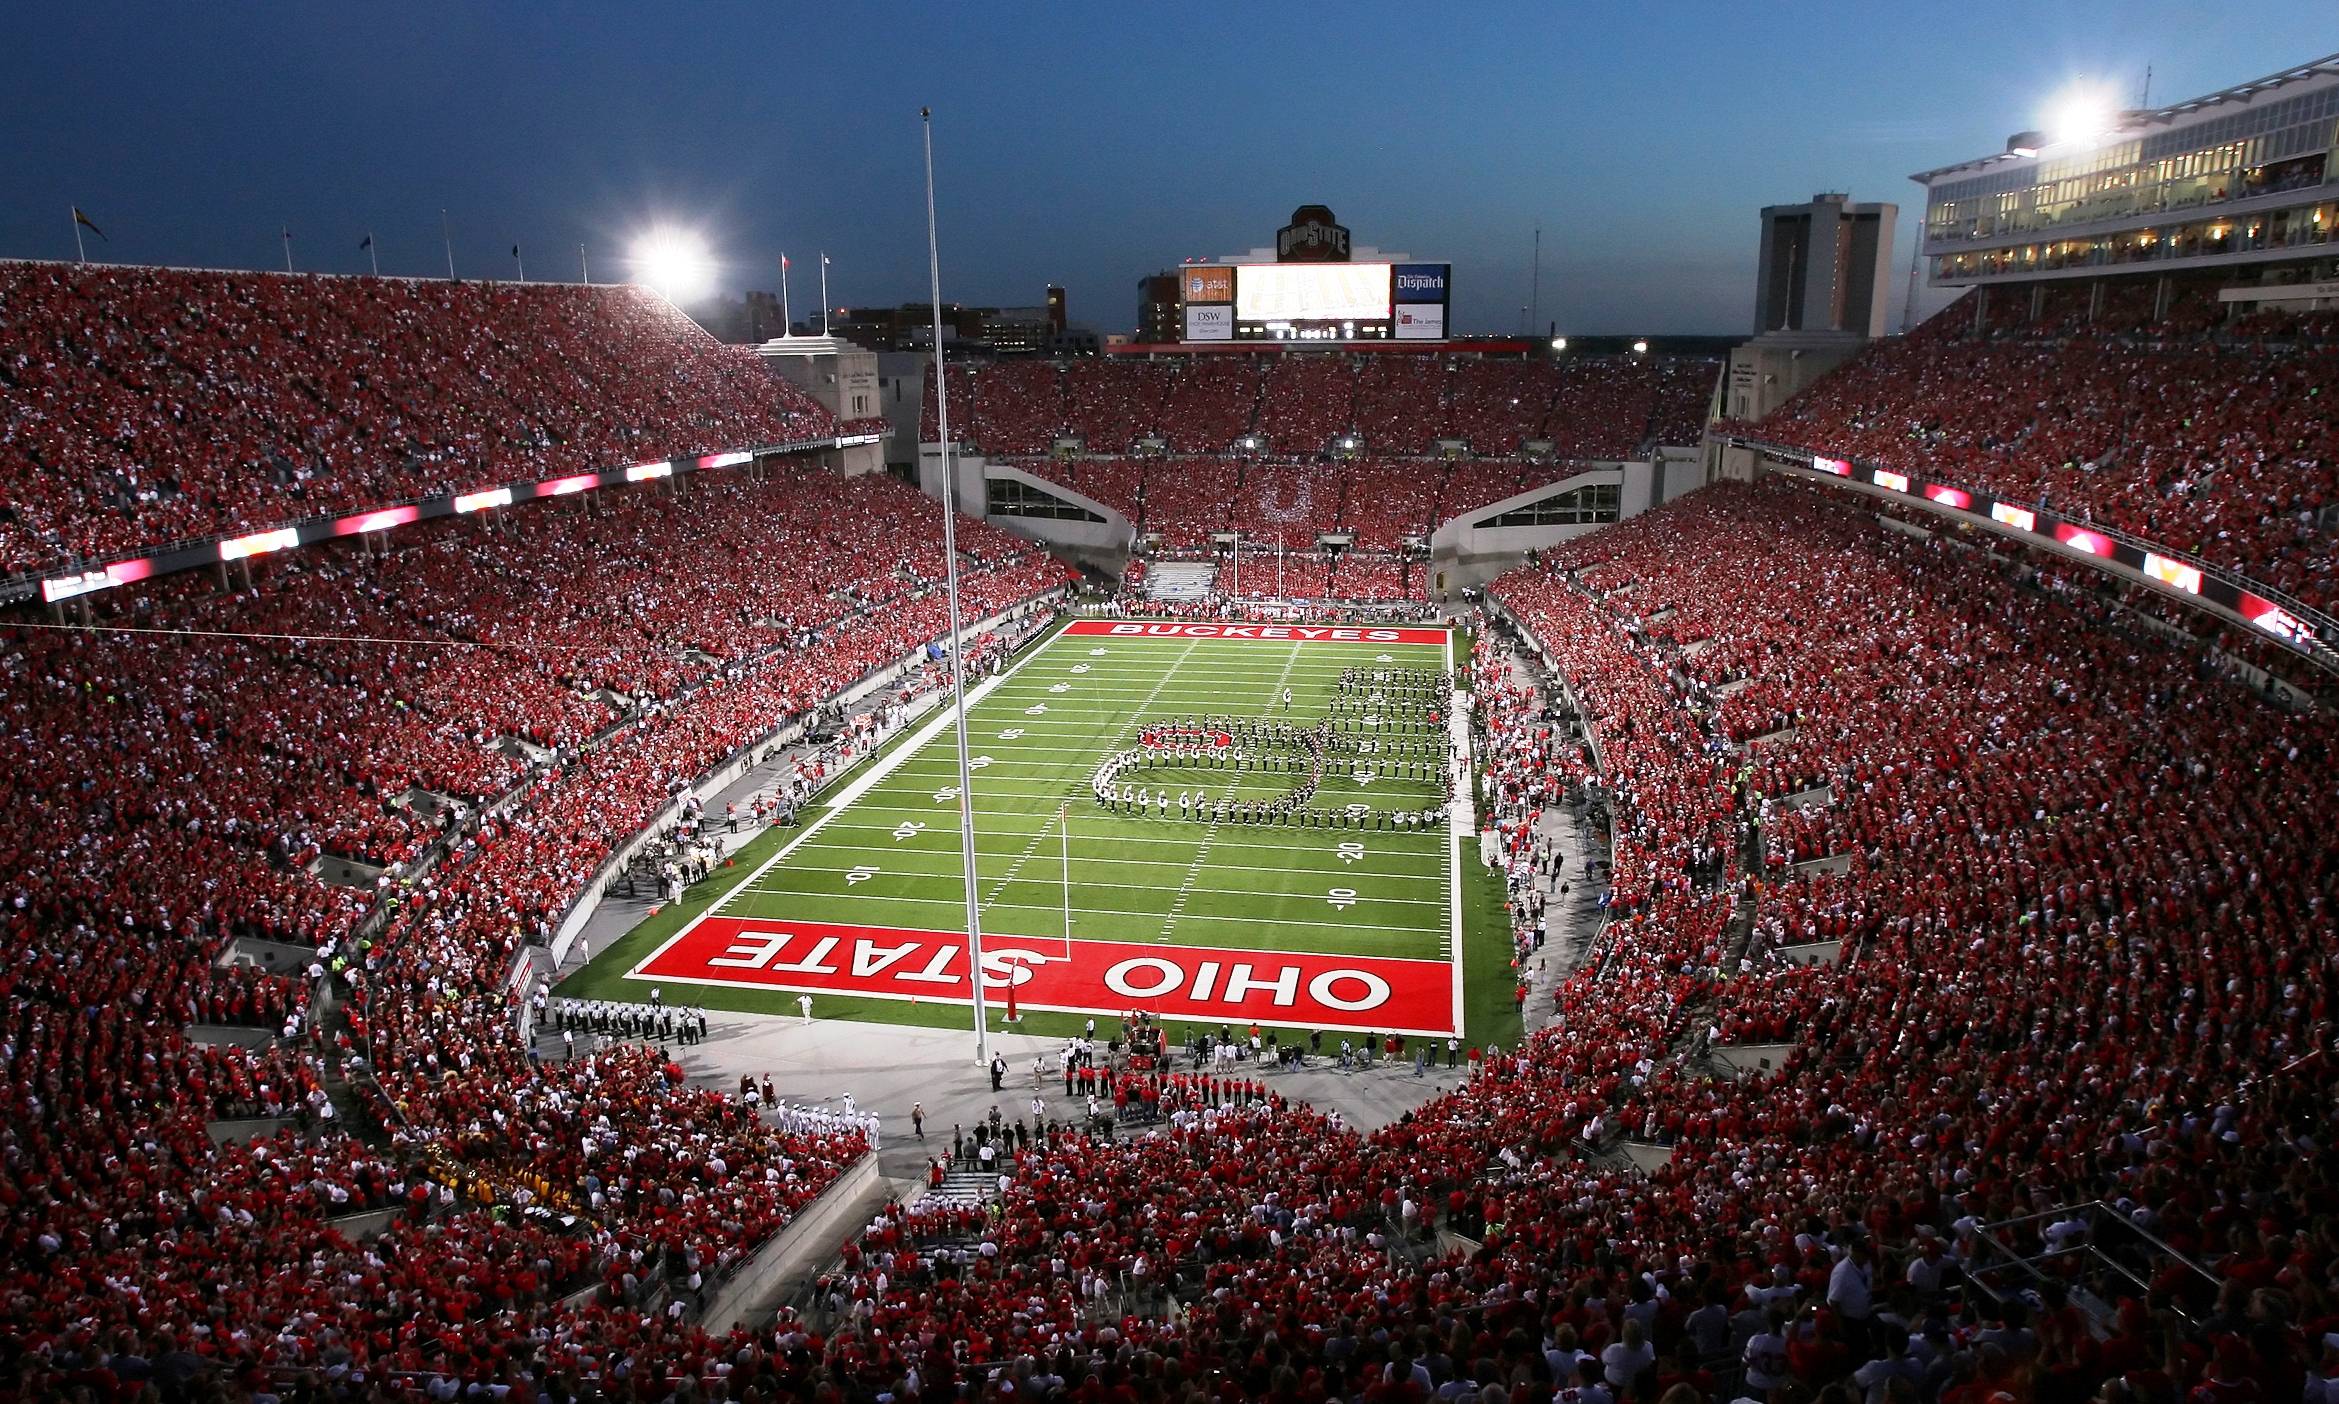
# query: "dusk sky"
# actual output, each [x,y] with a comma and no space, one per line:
[1082,144]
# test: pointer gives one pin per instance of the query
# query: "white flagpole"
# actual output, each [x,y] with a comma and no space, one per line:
[519,263]
[287,248]
[447,235]
[787,326]
[584,265]
[80,254]
[966,782]
[937,294]
[373,255]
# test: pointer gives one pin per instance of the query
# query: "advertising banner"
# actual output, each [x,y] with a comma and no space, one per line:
[1421,282]
[1210,323]
[1206,284]
[1422,321]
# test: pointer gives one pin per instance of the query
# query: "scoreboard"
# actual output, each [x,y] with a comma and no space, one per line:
[1315,301]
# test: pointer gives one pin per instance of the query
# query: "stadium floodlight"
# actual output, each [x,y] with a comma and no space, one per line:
[674,263]
[1559,343]
[2081,116]
[1640,348]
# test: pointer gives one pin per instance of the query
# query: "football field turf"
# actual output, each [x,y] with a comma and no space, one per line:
[1086,909]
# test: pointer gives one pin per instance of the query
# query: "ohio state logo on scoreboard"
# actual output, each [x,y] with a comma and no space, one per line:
[1313,236]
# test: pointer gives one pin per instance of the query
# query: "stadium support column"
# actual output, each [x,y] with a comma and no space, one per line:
[966,784]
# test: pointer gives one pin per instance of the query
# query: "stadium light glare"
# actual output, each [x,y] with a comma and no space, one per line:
[1559,343]
[1640,348]
[2081,116]
[674,263]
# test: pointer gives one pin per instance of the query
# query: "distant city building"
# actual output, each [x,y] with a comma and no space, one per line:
[1157,308]
[1826,266]
[1822,283]
[748,320]
[1036,329]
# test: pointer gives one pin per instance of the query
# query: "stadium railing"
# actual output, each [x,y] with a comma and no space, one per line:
[2317,640]
[88,576]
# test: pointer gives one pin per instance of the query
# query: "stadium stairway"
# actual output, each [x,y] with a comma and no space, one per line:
[968,1188]
[1181,580]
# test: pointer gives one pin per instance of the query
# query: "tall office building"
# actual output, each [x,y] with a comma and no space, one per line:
[1826,266]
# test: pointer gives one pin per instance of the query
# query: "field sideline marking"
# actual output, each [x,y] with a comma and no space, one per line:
[923,738]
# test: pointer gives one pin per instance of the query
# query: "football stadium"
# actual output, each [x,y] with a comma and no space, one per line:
[692,812]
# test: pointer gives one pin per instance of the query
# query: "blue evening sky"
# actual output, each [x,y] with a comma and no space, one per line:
[1085,144]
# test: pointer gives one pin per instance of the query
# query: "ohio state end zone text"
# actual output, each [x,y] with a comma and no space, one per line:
[1366,993]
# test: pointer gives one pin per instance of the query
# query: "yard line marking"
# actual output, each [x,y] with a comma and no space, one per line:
[1186,888]
[1012,868]
[1249,893]
[1138,714]
[1161,863]
[1345,923]
[1381,835]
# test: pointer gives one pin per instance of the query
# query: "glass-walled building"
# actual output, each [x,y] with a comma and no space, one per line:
[2240,176]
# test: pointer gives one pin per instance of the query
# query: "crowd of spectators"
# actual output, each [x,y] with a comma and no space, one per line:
[2077,895]
[1300,403]
[2033,1009]
[150,405]
[179,792]
[2216,441]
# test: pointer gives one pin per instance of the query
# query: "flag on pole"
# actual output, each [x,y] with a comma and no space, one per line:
[87,223]
[365,243]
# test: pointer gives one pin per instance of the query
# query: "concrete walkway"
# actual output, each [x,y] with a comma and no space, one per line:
[1571,921]
[888,1068]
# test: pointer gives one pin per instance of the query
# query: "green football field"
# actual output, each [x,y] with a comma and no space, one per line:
[1111,910]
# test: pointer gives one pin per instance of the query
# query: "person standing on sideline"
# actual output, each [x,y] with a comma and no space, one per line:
[804,1003]
[998,1071]
[918,1119]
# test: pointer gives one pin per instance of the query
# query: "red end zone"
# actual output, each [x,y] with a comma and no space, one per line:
[1264,633]
[1100,977]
